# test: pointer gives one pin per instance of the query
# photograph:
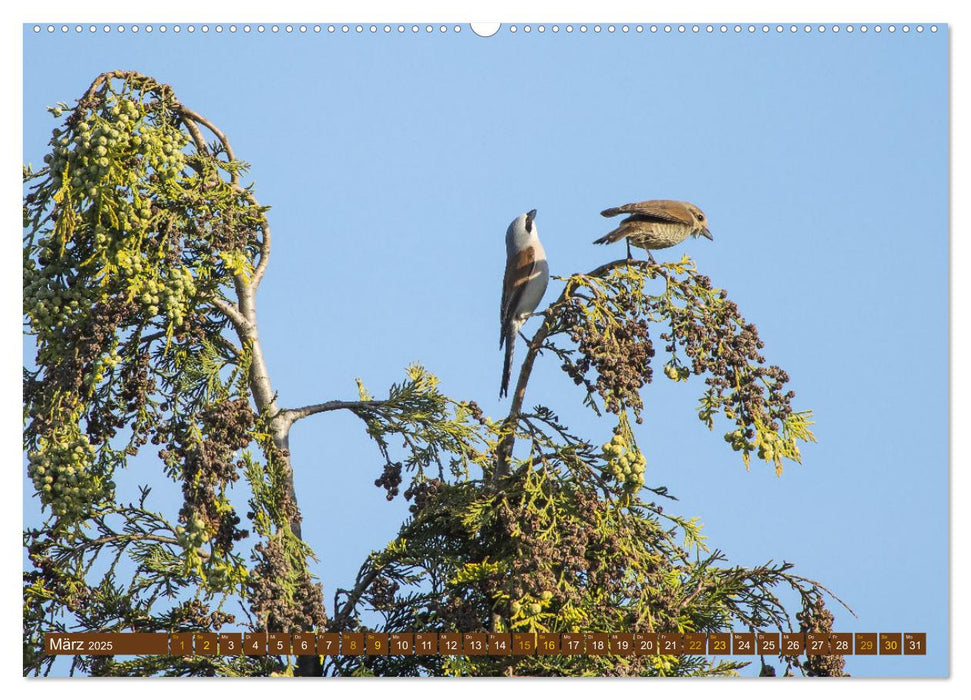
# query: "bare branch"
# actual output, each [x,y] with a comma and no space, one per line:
[246,299]
[240,322]
[197,138]
[189,115]
[292,415]
[264,256]
[105,78]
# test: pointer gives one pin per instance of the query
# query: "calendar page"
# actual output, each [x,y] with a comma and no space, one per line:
[547,349]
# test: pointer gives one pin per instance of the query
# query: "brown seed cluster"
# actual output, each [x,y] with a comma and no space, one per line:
[208,466]
[724,348]
[530,572]
[815,617]
[136,384]
[195,615]
[390,479]
[422,493]
[72,591]
[382,593]
[282,596]
[476,412]
[459,612]
[611,331]
[80,347]
[617,350]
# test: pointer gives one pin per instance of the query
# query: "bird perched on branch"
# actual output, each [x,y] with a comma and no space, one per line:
[656,223]
[523,285]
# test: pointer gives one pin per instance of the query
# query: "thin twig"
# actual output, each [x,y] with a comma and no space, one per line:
[353,597]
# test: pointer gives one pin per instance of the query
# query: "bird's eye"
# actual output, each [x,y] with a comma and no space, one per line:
[701,217]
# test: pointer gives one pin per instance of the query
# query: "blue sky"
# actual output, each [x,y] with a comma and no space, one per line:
[393,164]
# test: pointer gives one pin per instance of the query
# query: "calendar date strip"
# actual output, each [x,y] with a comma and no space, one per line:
[486,644]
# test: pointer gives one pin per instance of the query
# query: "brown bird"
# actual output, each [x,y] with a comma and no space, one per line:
[656,223]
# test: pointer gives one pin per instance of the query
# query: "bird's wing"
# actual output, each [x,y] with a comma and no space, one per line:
[519,268]
[659,209]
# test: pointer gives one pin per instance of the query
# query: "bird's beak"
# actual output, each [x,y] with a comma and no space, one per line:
[707,234]
[530,215]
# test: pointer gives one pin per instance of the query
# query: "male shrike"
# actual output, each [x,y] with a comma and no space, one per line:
[657,223]
[523,285]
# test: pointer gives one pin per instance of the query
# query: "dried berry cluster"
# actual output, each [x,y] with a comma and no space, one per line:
[726,349]
[530,575]
[815,617]
[382,593]
[208,466]
[136,384]
[422,492]
[76,354]
[618,350]
[196,615]
[60,584]
[459,612]
[390,479]
[476,412]
[283,596]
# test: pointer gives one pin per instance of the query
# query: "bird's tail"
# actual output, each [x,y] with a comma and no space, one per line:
[611,237]
[510,337]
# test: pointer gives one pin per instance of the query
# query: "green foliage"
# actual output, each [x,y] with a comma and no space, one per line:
[565,542]
[554,547]
[435,431]
[136,231]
